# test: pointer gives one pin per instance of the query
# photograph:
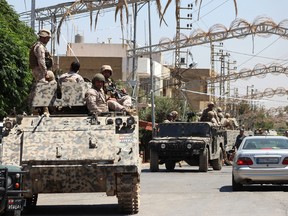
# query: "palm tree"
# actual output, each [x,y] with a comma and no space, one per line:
[120,7]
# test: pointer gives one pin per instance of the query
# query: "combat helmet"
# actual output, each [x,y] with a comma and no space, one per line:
[98,77]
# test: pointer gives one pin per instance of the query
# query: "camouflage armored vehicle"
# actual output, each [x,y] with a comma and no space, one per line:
[70,151]
[197,143]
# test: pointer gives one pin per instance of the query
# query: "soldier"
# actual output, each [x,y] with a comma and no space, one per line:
[40,59]
[174,116]
[72,75]
[95,97]
[229,123]
[169,118]
[114,95]
[210,107]
[211,118]
[220,115]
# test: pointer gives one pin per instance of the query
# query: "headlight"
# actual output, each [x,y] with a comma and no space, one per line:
[9,182]
[118,121]
[163,146]
[189,146]
[130,121]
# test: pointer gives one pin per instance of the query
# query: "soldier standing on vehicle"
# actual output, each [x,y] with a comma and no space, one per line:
[40,60]
[114,94]
[210,107]
[72,75]
[95,97]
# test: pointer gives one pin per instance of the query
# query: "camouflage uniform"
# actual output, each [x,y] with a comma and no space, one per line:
[71,76]
[210,108]
[39,57]
[95,101]
[124,102]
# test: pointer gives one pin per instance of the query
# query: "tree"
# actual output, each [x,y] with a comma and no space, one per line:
[15,76]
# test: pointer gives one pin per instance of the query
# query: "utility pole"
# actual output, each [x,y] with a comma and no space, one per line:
[178,28]
[33,17]
[151,74]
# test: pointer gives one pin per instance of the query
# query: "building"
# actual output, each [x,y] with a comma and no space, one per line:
[93,55]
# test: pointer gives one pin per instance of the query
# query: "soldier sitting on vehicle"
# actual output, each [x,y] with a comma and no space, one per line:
[229,123]
[95,98]
[169,118]
[72,75]
[211,118]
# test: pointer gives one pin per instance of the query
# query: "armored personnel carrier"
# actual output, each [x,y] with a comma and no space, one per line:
[196,143]
[69,151]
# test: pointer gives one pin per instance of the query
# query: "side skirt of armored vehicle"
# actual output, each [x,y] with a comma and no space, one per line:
[198,144]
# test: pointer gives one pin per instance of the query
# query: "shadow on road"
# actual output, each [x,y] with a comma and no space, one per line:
[75,210]
[255,188]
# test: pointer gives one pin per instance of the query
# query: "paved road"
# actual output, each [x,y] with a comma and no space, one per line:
[183,192]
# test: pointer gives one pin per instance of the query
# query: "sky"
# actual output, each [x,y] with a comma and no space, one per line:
[247,52]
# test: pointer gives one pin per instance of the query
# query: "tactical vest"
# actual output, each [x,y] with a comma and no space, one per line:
[33,61]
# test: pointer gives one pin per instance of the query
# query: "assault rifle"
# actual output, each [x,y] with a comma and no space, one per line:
[117,93]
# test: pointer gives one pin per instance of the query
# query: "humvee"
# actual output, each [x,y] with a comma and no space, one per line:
[196,143]
[70,151]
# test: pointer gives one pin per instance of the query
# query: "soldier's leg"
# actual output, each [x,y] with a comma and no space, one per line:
[126,101]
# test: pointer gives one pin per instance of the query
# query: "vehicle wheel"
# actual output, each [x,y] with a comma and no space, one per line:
[203,161]
[170,165]
[154,166]
[217,163]
[236,186]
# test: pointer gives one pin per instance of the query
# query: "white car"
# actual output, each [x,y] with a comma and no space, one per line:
[261,160]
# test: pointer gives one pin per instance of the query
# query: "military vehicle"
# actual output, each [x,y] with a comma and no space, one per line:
[196,143]
[11,193]
[70,151]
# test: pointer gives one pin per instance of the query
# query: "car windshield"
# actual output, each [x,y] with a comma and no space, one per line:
[183,130]
[266,143]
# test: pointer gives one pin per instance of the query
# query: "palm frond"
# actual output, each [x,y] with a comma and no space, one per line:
[96,18]
[165,9]
[63,18]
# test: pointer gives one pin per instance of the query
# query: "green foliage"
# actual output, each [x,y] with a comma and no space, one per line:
[163,106]
[15,76]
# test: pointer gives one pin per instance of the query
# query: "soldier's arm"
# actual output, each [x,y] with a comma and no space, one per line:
[40,54]
[91,102]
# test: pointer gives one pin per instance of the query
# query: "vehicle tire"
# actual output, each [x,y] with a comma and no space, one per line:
[217,163]
[170,166]
[154,165]
[203,161]
[236,186]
